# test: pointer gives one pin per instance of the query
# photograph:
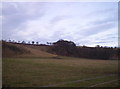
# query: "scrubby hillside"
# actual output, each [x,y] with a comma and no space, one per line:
[61,47]
[10,50]
[69,48]
[22,50]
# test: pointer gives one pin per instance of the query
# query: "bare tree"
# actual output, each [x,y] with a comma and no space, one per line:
[23,42]
[18,41]
[48,43]
[37,43]
[33,42]
[28,42]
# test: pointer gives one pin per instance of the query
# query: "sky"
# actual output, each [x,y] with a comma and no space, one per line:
[85,23]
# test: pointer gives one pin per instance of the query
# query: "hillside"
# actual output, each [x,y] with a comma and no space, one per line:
[69,48]
[61,47]
[23,50]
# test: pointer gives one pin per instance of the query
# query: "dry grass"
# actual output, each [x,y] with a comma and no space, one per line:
[32,51]
[36,72]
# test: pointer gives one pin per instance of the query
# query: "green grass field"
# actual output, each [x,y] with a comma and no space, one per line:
[58,72]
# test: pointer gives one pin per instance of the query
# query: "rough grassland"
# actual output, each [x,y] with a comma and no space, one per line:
[22,50]
[38,72]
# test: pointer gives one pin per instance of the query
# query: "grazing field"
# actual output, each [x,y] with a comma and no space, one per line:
[59,72]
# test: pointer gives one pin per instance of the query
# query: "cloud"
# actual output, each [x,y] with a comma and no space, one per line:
[84,23]
[59,18]
[15,14]
[97,28]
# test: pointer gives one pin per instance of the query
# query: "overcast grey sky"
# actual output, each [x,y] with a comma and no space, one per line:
[85,23]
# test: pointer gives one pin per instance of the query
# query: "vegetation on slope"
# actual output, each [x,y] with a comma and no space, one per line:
[61,47]
[68,48]
[22,50]
[10,50]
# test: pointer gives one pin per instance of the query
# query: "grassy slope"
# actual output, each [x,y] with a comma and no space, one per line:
[25,51]
[39,68]
[46,71]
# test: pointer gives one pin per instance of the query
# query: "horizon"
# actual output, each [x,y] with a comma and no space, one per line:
[86,23]
[50,43]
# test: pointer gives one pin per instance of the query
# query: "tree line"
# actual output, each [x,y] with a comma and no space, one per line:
[27,42]
[69,48]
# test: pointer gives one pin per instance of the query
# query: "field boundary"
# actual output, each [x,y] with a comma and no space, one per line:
[104,83]
[76,81]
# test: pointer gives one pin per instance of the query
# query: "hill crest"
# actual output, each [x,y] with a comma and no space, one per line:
[23,50]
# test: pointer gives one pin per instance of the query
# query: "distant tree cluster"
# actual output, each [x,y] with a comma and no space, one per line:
[28,43]
[98,53]
[68,48]
[65,48]
[23,42]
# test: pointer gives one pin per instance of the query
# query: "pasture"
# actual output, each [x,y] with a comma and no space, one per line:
[59,72]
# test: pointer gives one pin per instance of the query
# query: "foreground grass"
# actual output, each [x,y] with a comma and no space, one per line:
[37,72]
